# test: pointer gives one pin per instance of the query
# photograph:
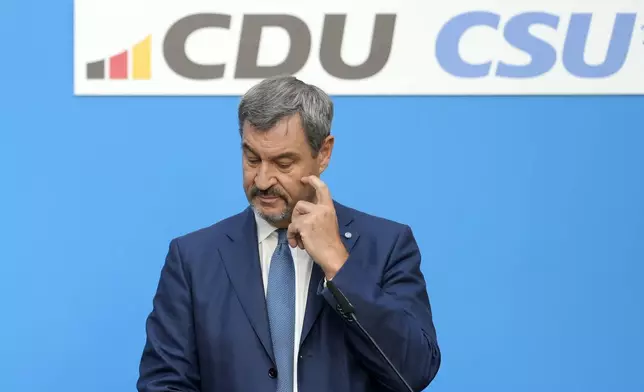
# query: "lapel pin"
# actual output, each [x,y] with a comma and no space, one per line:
[347,235]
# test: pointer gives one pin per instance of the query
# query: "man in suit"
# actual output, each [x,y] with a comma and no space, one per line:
[243,305]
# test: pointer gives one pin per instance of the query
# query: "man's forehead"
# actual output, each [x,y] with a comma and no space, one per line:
[283,133]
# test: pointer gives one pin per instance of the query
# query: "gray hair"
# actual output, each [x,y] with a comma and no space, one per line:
[273,99]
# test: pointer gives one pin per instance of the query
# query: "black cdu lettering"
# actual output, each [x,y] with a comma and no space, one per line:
[174,46]
[249,44]
[331,47]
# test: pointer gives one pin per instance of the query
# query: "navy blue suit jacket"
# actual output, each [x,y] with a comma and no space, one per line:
[208,330]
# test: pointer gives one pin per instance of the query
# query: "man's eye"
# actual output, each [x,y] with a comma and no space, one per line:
[284,165]
[252,160]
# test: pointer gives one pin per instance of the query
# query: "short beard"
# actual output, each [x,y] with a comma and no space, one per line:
[274,219]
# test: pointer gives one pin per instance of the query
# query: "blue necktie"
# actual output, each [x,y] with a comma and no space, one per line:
[280,303]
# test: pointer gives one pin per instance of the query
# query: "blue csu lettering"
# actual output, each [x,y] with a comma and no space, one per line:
[543,54]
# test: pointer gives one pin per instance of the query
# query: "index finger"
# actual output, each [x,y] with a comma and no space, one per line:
[321,189]
[292,234]
[303,207]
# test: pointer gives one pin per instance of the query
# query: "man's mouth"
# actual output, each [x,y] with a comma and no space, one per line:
[267,198]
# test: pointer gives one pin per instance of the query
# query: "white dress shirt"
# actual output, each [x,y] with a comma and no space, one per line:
[267,239]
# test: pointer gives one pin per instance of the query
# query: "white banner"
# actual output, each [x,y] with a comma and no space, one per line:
[360,47]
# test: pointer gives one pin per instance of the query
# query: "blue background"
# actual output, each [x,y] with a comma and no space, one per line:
[529,213]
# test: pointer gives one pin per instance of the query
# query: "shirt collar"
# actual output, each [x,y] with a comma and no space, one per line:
[264,229]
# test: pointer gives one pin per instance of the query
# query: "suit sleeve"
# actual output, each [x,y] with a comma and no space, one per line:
[169,360]
[396,313]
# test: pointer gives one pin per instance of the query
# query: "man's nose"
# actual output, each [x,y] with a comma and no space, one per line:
[264,178]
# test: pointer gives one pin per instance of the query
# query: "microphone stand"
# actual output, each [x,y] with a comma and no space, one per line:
[347,310]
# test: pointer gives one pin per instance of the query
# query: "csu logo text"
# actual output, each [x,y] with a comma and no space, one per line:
[544,55]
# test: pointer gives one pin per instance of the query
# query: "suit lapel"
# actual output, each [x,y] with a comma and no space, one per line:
[348,232]
[315,303]
[241,260]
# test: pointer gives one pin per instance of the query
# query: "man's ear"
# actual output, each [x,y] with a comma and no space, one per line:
[324,156]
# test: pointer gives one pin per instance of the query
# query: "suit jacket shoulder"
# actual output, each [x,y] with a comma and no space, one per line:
[371,225]
[379,222]
[208,239]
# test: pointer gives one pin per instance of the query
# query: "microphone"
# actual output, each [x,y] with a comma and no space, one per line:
[348,311]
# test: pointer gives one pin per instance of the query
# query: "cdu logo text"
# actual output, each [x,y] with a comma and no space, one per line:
[517,31]
[300,38]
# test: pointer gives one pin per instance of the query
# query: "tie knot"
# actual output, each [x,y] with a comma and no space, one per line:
[281,236]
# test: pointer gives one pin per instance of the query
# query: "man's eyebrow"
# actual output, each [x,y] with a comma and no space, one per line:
[246,147]
[286,155]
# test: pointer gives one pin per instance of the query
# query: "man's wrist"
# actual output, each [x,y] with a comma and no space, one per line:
[334,266]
